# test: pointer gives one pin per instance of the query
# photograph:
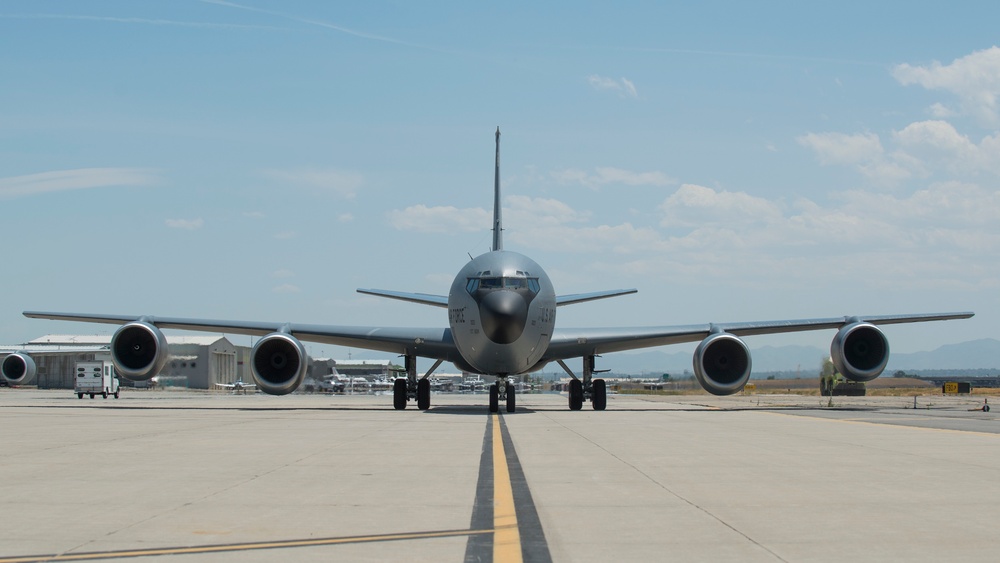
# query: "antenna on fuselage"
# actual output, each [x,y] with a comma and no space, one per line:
[497,221]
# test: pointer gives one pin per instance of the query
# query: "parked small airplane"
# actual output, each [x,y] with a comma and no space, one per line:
[501,322]
[238,386]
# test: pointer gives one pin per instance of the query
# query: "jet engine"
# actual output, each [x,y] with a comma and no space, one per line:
[722,364]
[279,363]
[860,351]
[18,368]
[139,351]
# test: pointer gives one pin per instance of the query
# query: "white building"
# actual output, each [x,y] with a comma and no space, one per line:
[197,362]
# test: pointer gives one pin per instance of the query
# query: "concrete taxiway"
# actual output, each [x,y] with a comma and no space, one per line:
[192,476]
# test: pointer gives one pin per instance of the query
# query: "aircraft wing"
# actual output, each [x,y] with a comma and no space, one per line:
[572,343]
[584,297]
[434,343]
[422,298]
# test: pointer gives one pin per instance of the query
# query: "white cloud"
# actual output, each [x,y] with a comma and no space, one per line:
[552,225]
[839,148]
[604,176]
[939,143]
[444,219]
[77,179]
[534,211]
[693,205]
[950,204]
[974,79]
[941,111]
[282,274]
[286,288]
[286,235]
[345,217]
[924,147]
[939,135]
[863,151]
[623,87]
[623,239]
[882,239]
[338,182]
[185,224]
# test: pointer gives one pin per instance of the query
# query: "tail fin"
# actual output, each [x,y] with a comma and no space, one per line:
[497,221]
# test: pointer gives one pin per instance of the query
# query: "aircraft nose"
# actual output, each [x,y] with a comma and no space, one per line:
[503,315]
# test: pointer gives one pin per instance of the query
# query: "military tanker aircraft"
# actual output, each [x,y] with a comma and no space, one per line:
[501,322]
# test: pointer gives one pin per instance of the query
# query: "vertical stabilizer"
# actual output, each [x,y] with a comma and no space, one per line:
[497,221]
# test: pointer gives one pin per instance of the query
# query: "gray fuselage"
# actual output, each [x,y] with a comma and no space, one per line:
[502,309]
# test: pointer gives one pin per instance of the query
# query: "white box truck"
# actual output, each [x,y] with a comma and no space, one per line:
[95,378]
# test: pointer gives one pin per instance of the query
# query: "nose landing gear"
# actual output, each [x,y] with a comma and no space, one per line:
[502,392]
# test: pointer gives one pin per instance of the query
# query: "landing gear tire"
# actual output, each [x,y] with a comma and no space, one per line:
[91,395]
[575,394]
[510,398]
[399,394]
[424,394]
[494,398]
[116,394]
[104,394]
[79,395]
[599,399]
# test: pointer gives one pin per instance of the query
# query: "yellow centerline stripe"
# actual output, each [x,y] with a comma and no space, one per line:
[241,547]
[506,536]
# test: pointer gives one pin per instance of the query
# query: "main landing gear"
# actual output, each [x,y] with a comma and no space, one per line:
[411,388]
[502,391]
[594,390]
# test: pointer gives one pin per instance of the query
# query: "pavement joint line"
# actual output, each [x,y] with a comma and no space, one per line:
[236,547]
[898,424]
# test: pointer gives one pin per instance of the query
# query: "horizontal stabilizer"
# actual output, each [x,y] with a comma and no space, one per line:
[422,298]
[582,297]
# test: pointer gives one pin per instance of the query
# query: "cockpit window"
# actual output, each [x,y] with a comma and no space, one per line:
[515,283]
[493,282]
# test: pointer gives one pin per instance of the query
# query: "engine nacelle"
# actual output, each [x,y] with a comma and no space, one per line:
[722,364]
[860,351]
[279,363]
[18,368]
[139,351]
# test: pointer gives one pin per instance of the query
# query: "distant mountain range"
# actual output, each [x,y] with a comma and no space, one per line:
[975,354]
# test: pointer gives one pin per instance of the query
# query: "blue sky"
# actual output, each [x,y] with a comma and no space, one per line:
[261,160]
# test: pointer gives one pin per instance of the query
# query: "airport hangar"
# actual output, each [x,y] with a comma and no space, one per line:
[196,362]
